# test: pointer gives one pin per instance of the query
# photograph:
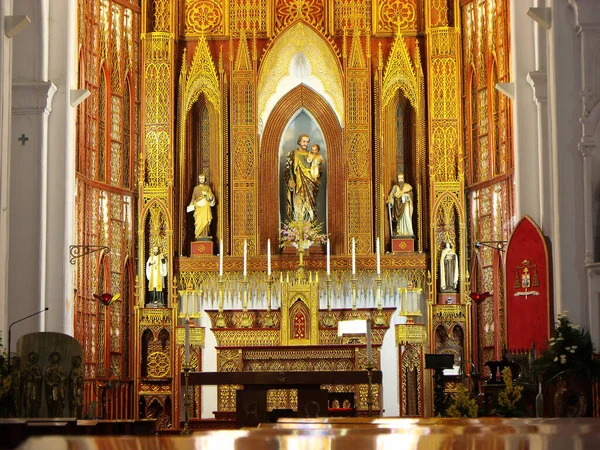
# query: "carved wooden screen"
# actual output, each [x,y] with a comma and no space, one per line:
[107,142]
[488,142]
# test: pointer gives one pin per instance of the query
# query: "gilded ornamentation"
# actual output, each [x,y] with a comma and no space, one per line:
[447,314]
[299,301]
[204,16]
[358,157]
[411,376]
[157,224]
[303,45]
[361,399]
[245,337]
[157,154]
[162,16]
[399,74]
[196,336]
[199,78]
[159,387]
[159,365]
[287,11]
[357,58]
[351,15]
[395,15]
[150,317]
[439,13]
[278,398]
[251,15]
[410,334]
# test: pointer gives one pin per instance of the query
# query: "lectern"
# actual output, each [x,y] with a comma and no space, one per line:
[438,363]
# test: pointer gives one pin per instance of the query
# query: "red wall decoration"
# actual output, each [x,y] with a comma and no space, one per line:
[528,292]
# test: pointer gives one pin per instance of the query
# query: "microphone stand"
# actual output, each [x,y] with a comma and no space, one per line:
[17,321]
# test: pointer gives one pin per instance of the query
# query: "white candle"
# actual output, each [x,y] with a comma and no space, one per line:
[269,257]
[245,257]
[369,345]
[377,254]
[353,258]
[328,259]
[221,258]
[187,341]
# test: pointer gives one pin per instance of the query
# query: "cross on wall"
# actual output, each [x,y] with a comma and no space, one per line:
[23,139]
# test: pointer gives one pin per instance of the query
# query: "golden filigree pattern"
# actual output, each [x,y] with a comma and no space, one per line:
[157,158]
[446,219]
[322,61]
[399,74]
[410,334]
[447,314]
[154,316]
[358,155]
[204,16]
[361,400]
[395,15]
[411,381]
[162,15]
[159,365]
[157,226]
[352,15]
[250,15]
[148,387]
[196,336]
[245,338]
[439,13]
[445,145]
[287,11]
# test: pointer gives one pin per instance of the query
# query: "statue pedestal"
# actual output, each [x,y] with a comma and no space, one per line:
[403,244]
[202,248]
[448,298]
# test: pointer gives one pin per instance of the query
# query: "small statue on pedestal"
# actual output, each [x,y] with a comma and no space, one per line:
[400,204]
[448,269]
[156,271]
[202,200]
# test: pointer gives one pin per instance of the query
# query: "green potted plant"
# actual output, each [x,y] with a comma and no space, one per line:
[567,368]
[6,400]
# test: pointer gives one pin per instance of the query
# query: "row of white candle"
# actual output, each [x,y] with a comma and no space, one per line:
[377,253]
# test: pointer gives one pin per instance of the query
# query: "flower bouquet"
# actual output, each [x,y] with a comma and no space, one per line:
[302,234]
[569,348]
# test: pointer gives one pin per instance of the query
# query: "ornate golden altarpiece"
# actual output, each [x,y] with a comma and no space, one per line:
[218,96]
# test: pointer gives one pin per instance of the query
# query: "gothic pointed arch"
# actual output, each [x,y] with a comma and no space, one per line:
[300,55]
[298,98]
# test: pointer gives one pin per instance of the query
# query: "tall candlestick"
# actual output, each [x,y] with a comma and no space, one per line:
[187,341]
[353,258]
[328,259]
[221,258]
[377,255]
[369,344]
[245,256]
[269,257]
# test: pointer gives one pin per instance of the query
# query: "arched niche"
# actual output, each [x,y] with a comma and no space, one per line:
[202,156]
[302,122]
[301,99]
[200,142]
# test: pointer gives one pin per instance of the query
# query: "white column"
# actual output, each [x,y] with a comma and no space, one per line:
[31,105]
[5,138]
[527,176]
[60,198]
[567,235]
[587,21]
